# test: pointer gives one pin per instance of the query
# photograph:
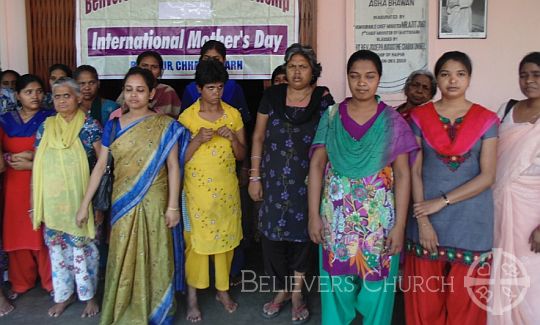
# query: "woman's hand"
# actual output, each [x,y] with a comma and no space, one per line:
[82,216]
[204,135]
[534,240]
[21,164]
[27,155]
[172,218]
[255,191]
[428,236]
[394,242]
[429,207]
[315,229]
[227,133]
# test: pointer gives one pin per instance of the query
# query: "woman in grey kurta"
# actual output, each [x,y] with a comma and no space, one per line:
[450,235]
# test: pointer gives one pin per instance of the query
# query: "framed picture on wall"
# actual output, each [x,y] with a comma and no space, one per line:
[462,18]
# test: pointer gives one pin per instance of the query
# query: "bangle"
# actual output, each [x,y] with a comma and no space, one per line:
[255,178]
[250,171]
[445,198]
[173,209]
[256,157]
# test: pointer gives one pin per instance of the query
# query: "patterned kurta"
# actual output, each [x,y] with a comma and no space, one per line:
[284,169]
[211,185]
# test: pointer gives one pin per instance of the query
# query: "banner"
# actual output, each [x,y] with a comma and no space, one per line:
[397,31]
[256,33]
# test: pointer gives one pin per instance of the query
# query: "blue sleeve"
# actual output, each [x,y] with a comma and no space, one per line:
[416,130]
[492,132]
[39,134]
[239,102]
[106,138]
[187,96]
[107,108]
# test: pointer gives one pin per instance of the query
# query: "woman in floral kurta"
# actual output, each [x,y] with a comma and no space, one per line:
[361,147]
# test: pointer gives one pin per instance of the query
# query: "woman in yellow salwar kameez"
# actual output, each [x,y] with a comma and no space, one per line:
[213,228]
[145,263]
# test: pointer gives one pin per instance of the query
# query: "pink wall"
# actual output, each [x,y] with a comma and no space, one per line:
[512,28]
[13,48]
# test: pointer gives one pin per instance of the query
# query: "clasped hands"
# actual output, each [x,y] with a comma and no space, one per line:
[206,134]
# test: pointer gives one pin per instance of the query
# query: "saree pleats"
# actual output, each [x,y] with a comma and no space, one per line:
[140,283]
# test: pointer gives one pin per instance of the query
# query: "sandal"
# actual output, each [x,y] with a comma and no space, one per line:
[300,315]
[12,295]
[273,309]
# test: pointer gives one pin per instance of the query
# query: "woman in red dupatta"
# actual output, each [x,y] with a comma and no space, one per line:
[517,205]
[450,236]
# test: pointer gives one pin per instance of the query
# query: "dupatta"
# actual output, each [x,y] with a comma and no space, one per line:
[388,137]
[60,176]
[475,123]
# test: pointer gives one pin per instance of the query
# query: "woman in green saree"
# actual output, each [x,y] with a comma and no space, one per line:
[145,256]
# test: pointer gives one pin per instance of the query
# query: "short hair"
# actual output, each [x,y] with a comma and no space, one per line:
[153,54]
[147,76]
[69,82]
[533,57]
[85,68]
[280,69]
[210,71]
[455,56]
[307,52]
[365,55]
[432,80]
[213,45]
[26,79]
[61,66]
[3,73]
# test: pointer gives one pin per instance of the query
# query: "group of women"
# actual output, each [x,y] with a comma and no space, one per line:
[358,178]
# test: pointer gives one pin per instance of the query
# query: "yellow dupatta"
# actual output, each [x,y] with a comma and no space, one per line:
[60,176]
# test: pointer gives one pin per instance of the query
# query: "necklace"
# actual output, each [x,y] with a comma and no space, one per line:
[290,100]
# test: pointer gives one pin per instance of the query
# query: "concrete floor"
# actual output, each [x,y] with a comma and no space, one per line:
[31,308]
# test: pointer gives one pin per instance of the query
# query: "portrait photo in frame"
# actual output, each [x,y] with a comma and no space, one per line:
[463,18]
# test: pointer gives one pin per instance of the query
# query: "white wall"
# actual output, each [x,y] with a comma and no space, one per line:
[13,44]
[512,32]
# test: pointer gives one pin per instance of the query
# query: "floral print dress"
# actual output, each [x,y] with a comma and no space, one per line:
[284,169]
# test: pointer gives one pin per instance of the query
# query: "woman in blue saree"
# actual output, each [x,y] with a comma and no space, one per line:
[145,256]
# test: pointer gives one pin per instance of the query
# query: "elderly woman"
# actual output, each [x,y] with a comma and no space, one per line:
[65,144]
[28,255]
[56,71]
[420,88]
[287,119]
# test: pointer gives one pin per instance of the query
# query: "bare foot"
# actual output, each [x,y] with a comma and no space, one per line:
[5,306]
[59,308]
[91,310]
[226,300]
[193,311]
